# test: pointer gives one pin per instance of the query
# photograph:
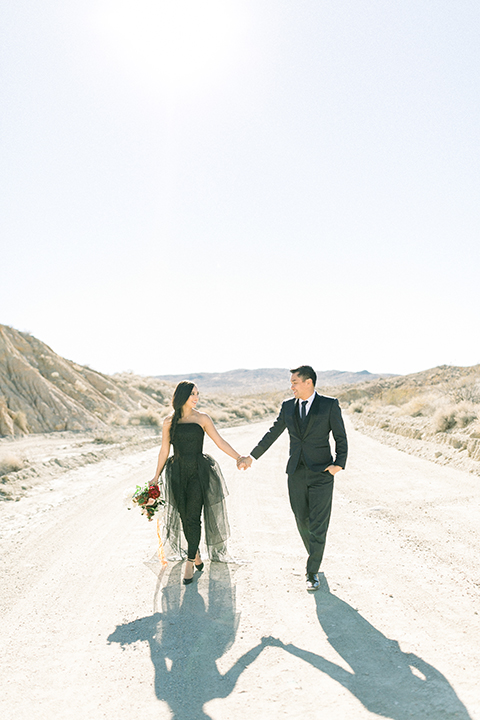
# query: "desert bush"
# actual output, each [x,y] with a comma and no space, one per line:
[146,417]
[417,407]
[117,418]
[219,416]
[10,463]
[6,422]
[466,389]
[444,419]
[465,416]
[107,439]
[20,420]
[475,431]
[397,395]
[357,407]
[243,413]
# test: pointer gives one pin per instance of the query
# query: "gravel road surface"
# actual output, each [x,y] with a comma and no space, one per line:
[89,632]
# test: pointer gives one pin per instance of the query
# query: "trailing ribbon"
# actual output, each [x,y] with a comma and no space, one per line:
[160,551]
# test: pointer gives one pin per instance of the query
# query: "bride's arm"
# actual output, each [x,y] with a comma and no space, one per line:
[164,450]
[212,433]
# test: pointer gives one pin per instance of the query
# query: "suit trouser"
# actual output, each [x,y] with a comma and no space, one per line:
[311,501]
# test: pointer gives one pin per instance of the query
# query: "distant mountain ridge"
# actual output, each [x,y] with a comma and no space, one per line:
[245,382]
[42,392]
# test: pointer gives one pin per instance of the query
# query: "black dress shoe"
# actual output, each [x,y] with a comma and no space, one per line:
[199,568]
[313,581]
[187,581]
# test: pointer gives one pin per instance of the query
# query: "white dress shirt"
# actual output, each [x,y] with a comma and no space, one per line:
[308,405]
[307,409]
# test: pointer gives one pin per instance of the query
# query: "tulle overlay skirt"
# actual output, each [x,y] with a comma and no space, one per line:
[178,473]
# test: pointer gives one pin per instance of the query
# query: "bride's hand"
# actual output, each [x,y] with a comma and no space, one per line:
[243,463]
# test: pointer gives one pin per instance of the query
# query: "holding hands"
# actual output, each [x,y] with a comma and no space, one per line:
[244,462]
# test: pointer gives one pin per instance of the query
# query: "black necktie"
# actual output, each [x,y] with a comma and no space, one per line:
[303,411]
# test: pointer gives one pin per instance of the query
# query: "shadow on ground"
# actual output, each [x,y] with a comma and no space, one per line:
[186,638]
[387,681]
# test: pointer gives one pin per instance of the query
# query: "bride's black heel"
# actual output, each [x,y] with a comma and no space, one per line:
[187,581]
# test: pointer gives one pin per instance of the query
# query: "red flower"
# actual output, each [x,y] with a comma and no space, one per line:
[154,492]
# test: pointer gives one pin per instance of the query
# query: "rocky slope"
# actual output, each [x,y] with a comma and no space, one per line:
[42,392]
[433,414]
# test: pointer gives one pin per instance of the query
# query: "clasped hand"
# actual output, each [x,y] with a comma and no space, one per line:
[244,462]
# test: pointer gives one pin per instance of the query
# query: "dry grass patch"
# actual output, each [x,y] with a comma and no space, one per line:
[20,420]
[440,406]
[10,463]
[148,418]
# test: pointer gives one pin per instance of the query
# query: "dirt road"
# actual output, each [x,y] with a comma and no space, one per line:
[88,632]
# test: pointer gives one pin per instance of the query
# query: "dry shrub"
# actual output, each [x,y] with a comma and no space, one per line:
[466,389]
[118,419]
[107,439]
[475,431]
[243,413]
[148,418]
[357,407]
[465,415]
[219,416]
[6,422]
[397,395]
[445,419]
[418,407]
[10,463]
[20,420]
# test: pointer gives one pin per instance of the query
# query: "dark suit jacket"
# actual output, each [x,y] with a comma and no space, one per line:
[313,444]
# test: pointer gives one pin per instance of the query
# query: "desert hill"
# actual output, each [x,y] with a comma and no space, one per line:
[434,413]
[244,382]
[43,392]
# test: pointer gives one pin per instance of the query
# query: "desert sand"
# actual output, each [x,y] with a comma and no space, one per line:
[90,632]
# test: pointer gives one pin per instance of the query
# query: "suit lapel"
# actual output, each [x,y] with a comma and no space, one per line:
[294,417]
[313,412]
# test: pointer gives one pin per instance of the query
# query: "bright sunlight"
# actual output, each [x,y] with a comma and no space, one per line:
[179,44]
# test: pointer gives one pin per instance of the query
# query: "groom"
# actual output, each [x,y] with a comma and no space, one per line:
[309,419]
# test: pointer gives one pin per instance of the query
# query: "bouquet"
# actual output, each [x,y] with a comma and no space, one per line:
[148,499]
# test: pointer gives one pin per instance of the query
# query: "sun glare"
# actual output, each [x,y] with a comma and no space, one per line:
[180,44]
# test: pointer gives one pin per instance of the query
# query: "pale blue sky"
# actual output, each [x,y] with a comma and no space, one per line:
[205,185]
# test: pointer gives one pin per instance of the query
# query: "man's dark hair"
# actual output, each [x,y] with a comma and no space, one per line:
[305,372]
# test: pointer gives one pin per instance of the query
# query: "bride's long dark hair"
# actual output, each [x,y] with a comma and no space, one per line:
[180,397]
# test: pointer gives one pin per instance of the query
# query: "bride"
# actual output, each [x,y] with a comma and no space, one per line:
[193,481]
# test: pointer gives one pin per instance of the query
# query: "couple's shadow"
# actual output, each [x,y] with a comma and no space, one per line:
[187,638]
[386,680]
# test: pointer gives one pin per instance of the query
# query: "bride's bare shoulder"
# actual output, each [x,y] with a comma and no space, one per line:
[202,418]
